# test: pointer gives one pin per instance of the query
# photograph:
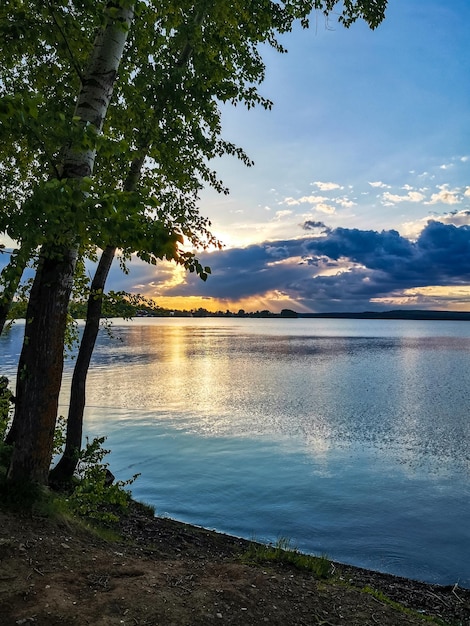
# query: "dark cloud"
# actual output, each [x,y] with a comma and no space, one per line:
[244,272]
[342,270]
[370,264]
[316,226]
[368,247]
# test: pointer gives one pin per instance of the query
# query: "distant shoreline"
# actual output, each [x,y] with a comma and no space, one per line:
[458,316]
[461,316]
[394,315]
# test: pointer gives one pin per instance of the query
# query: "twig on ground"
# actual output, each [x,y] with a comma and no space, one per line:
[456,586]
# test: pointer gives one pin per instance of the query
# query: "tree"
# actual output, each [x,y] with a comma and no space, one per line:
[178,62]
[36,108]
[42,352]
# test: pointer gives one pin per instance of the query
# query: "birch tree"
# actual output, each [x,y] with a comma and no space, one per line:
[41,361]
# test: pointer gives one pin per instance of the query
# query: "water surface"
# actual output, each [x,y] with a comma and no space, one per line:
[350,437]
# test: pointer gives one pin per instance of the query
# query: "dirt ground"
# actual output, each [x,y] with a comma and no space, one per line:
[166,573]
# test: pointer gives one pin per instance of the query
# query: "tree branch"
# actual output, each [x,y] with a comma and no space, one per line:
[59,28]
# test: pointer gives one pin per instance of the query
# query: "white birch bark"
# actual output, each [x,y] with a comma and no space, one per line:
[41,361]
[97,88]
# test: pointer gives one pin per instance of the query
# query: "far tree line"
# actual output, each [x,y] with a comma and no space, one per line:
[127,306]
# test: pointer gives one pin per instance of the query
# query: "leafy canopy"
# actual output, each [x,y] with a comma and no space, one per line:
[181,62]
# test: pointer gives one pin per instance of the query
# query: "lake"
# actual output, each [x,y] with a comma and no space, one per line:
[351,438]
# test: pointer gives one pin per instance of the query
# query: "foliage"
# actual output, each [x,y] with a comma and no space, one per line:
[93,494]
[162,130]
[71,336]
[59,435]
[283,552]
[18,310]
[6,406]
[115,304]
[18,307]
[96,496]
[180,63]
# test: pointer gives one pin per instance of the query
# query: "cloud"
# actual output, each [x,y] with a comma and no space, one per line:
[304,200]
[343,269]
[411,196]
[379,184]
[467,192]
[280,214]
[344,202]
[457,218]
[325,208]
[327,186]
[277,252]
[411,230]
[320,203]
[445,196]
[386,263]
[315,225]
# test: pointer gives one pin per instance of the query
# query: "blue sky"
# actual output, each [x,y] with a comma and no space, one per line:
[369,134]
[368,140]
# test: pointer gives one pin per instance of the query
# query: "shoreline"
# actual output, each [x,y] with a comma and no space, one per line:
[161,571]
[343,565]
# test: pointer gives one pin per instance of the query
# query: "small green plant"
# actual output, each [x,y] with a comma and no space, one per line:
[96,495]
[6,410]
[284,552]
[6,405]
[71,340]
[59,435]
[148,510]
[93,494]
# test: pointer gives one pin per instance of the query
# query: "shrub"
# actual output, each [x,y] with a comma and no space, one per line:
[96,495]
[6,408]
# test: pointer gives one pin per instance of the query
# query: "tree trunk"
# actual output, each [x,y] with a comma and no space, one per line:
[40,367]
[65,468]
[41,361]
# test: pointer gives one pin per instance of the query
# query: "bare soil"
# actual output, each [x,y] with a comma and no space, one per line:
[162,572]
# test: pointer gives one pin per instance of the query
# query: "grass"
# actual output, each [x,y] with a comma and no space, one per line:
[384,599]
[146,509]
[284,552]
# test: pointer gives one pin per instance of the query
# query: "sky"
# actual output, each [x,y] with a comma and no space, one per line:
[359,198]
